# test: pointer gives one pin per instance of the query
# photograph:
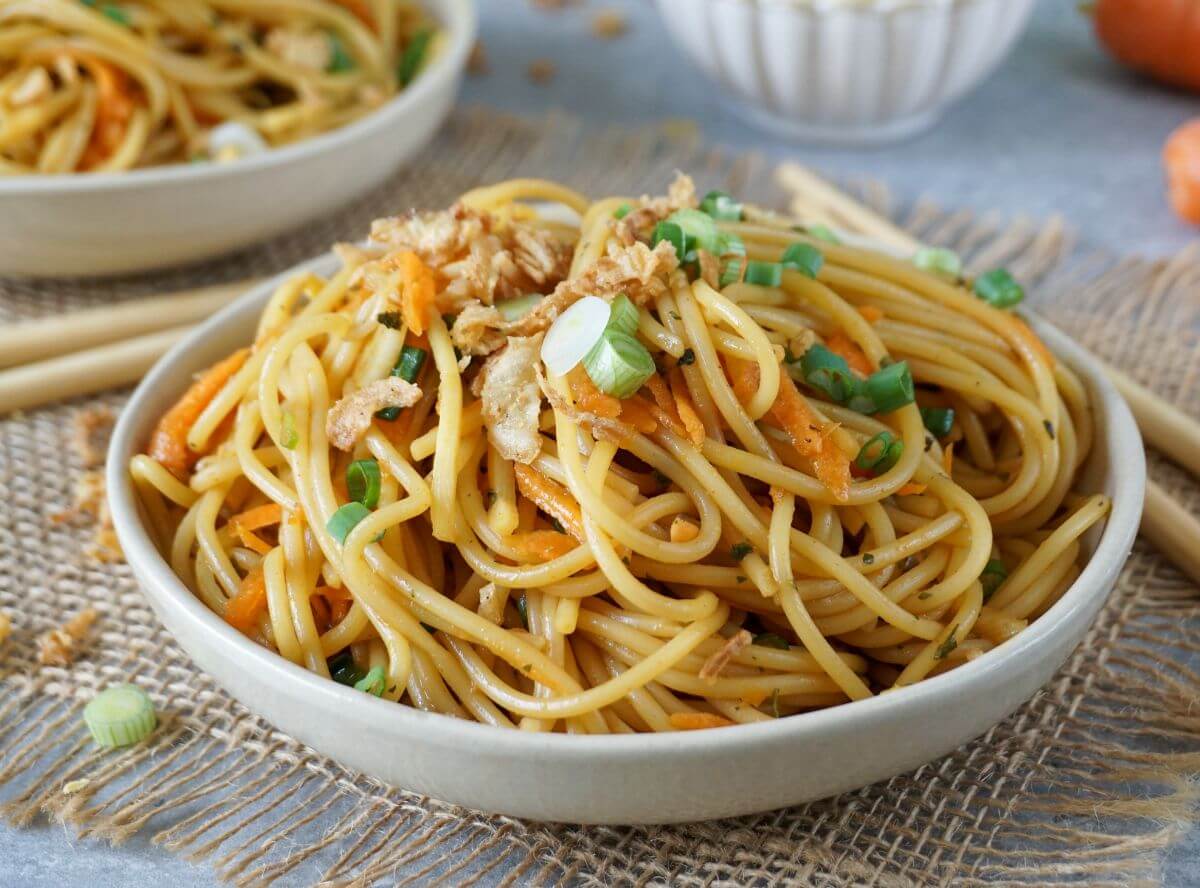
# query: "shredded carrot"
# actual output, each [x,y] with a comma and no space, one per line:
[168,444]
[336,599]
[871,313]
[662,417]
[948,460]
[791,413]
[590,399]
[841,344]
[685,408]
[417,290]
[551,497]
[683,530]
[260,516]
[695,721]
[243,610]
[912,489]
[638,412]
[252,541]
[114,107]
[662,395]
[543,545]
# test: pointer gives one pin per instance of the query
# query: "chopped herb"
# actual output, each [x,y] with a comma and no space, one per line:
[431,630]
[340,60]
[925,595]
[946,646]
[662,479]
[390,319]
[998,288]
[557,525]
[1049,427]
[489,498]
[414,54]
[740,578]
[675,315]
[688,357]
[909,563]
[373,682]
[938,420]
[523,610]
[741,550]
[992,577]
[868,558]
[343,670]
[623,210]
[771,640]
[804,258]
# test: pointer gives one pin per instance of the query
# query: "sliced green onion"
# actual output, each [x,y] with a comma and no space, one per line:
[288,436]
[344,670]
[516,308]
[999,288]
[688,357]
[362,481]
[373,682]
[804,258]
[340,61]
[669,231]
[624,316]
[345,519]
[939,261]
[523,609]
[618,364]
[414,54]
[765,274]
[771,640]
[740,550]
[993,576]
[120,716]
[829,373]
[731,272]
[948,645]
[720,205]
[408,367]
[938,420]
[574,333]
[699,230]
[889,388]
[880,454]
[390,319]
[729,244]
[823,233]
[623,210]
[110,11]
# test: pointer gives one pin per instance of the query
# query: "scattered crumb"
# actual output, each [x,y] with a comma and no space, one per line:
[91,504]
[59,647]
[91,430]
[477,61]
[73,786]
[608,24]
[542,70]
[5,627]
[712,667]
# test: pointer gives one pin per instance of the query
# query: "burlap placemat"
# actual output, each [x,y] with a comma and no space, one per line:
[1088,783]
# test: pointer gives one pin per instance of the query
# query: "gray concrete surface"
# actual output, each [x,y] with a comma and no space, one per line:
[1059,129]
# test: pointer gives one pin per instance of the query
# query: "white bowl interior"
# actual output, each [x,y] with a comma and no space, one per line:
[626,778]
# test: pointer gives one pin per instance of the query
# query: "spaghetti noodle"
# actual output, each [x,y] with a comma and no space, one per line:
[91,86]
[837,474]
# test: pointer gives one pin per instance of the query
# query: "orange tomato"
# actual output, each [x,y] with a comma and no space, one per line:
[1160,38]
[1181,157]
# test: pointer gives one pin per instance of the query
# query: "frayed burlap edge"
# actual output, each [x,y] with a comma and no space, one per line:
[1086,784]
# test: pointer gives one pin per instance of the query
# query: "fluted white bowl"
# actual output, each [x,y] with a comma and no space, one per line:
[846,71]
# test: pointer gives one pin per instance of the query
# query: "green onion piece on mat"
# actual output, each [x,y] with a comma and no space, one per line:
[939,261]
[999,288]
[120,716]
[722,206]
[373,682]
[618,364]
[880,453]
[765,274]
[938,420]
[414,54]
[804,258]
[362,481]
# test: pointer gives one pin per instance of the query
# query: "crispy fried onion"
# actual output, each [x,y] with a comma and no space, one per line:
[681,195]
[610,429]
[349,419]
[512,402]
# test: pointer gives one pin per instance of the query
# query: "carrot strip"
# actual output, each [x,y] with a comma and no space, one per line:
[252,541]
[872,313]
[841,344]
[551,497]
[662,395]
[639,413]
[912,489]
[243,610]
[948,460]
[168,444]
[260,516]
[543,545]
[685,408]
[114,107]
[590,399]
[695,721]
[417,290]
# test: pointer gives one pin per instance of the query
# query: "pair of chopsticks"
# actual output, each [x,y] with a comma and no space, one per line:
[99,348]
[1165,523]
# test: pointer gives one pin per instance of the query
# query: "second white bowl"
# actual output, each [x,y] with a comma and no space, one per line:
[846,71]
[112,223]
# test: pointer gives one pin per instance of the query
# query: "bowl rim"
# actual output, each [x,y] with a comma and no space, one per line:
[1126,459]
[458,17]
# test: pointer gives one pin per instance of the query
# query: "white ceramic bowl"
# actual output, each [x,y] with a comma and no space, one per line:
[110,223]
[660,778]
[845,71]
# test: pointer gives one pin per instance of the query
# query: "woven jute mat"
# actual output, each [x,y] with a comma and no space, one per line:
[1088,783]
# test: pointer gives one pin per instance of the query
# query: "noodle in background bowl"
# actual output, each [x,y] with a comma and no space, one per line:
[114,223]
[638,778]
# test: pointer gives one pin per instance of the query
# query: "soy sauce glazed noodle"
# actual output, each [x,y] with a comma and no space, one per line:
[94,86]
[407,485]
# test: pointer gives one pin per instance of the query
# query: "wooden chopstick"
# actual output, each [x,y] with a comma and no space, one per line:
[1168,526]
[28,341]
[84,372]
